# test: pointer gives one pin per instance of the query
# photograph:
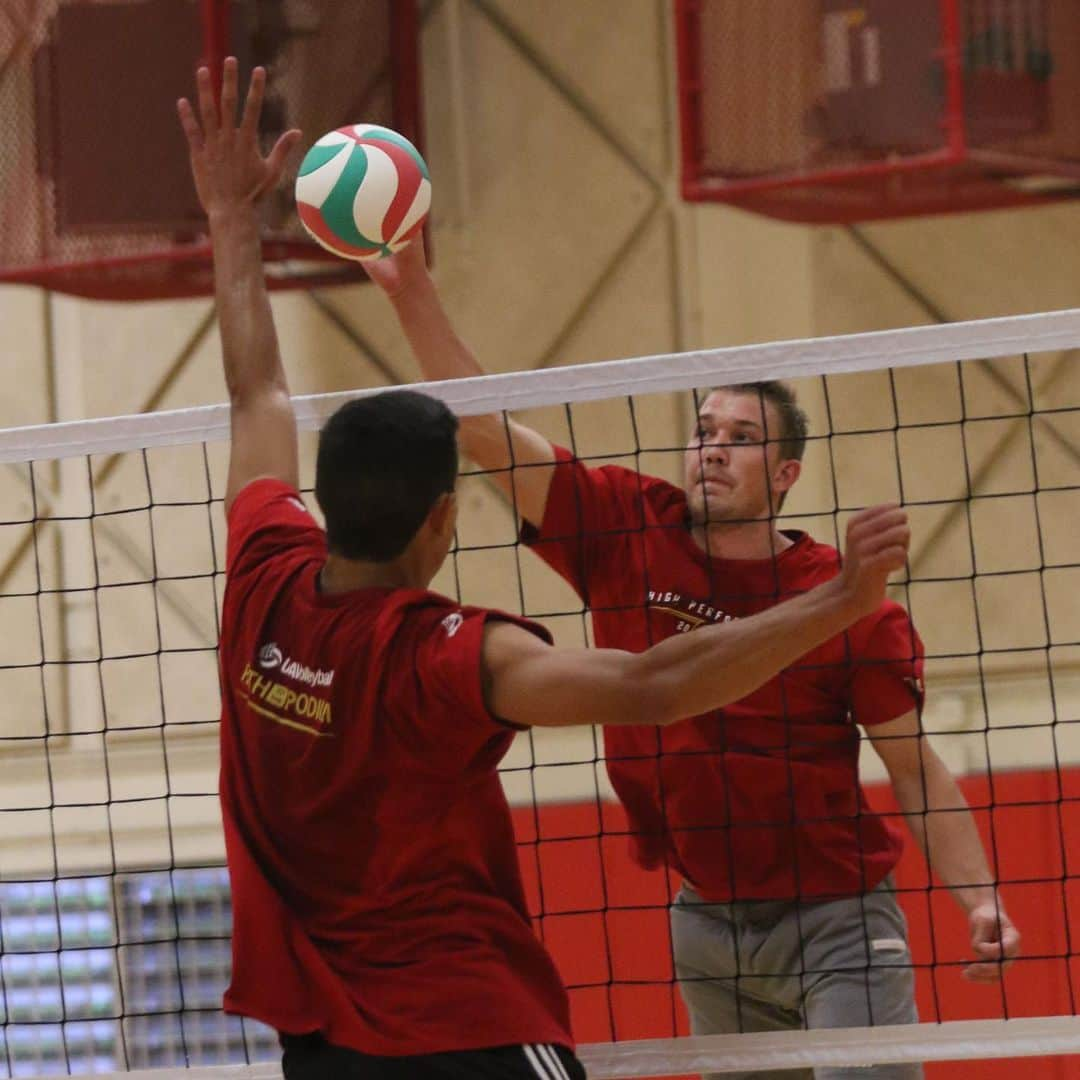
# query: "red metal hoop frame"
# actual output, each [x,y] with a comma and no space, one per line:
[956,178]
[185,270]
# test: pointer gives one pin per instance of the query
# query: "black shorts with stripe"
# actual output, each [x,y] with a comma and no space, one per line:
[311,1057]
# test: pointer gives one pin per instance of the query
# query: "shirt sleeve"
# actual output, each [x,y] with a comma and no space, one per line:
[888,676]
[445,704]
[588,509]
[266,517]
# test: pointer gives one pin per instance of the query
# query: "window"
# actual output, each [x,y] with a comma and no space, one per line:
[124,972]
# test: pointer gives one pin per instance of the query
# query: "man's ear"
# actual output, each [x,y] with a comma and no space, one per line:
[785,475]
[442,517]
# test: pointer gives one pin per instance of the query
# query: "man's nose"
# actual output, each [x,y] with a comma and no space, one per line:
[714,452]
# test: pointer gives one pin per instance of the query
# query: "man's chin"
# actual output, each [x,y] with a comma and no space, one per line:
[726,515]
[712,514]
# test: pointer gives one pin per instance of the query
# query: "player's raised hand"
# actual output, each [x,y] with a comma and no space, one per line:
[876,546]
[394,274]
[994,940]
[226,161]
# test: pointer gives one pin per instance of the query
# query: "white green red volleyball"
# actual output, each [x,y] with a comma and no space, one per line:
[363,191]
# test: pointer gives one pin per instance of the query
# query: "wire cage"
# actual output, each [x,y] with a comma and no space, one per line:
[98,199]
[838,111]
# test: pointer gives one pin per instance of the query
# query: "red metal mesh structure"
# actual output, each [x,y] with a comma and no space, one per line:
[96,197]
[837,111]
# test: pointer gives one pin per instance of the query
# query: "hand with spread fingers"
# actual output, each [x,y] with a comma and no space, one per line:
[231,174]
[230,170]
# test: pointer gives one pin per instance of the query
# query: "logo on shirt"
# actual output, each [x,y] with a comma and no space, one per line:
[270,656]
[689,613]
[297,709]
[292,501]
[452,623]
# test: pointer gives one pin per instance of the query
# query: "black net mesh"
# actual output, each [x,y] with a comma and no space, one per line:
[114,906]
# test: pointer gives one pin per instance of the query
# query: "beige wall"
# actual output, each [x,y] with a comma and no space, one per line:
[559,239]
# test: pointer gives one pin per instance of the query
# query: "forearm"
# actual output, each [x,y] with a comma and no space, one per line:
[250,353]
[439,351]
[942,825]
[714,666]
[442,355]
[494,442]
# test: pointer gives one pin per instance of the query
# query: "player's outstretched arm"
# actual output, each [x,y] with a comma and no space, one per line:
[231,175]
[492,442]
[942,824]
[527,682]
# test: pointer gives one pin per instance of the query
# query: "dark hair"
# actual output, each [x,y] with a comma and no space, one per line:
[794,425]
[383,461]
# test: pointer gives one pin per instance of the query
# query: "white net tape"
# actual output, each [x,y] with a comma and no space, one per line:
[984,339]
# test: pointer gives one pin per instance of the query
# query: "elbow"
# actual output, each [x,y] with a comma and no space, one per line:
[484,441]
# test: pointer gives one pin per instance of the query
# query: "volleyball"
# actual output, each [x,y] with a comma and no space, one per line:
[363,191]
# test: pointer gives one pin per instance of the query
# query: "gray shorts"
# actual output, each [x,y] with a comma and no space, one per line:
[778,965]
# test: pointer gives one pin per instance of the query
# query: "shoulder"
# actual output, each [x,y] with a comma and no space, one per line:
[267,496]
[438,658]
[811,551]
[267,515]
[883,637]
[889,629]
[628,486]
[444,620]
[665,498]
[807,561]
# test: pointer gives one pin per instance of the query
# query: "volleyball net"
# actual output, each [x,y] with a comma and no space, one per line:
[114,906]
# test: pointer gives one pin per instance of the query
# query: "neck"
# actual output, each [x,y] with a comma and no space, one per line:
[740,540]
[341,575]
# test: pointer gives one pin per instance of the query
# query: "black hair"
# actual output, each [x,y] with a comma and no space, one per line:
[383,462]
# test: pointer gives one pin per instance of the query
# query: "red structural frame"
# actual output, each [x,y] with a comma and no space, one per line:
[953,179]
[112,277]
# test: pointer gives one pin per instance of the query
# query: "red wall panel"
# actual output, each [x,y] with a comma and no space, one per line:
[605,920]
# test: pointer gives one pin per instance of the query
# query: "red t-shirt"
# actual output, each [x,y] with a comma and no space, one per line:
[760,800]
[376,890]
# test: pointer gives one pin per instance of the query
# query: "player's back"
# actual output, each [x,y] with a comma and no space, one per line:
[356,803]
[362,803]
